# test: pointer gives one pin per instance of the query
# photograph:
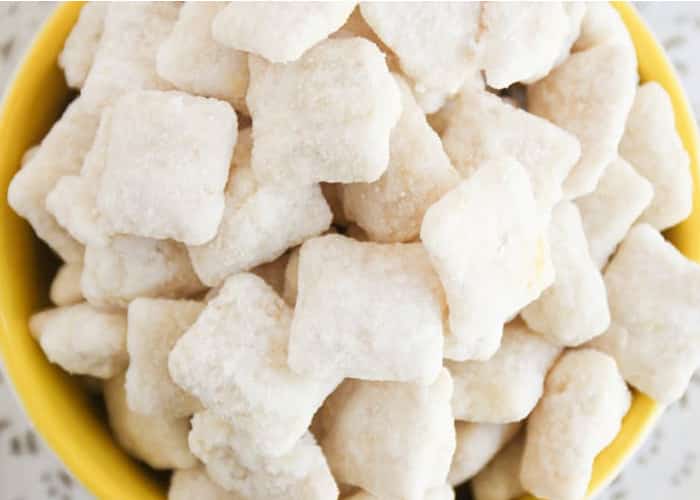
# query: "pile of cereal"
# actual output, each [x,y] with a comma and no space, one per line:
[322,250]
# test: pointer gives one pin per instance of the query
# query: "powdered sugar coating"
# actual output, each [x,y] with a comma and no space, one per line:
[485,240]
[82,340]
[590,95]
[189,484]
[347,292]
[154,326]
[654,295]
[260,221]
[506,387]
[581,411]
[361,422]
[234,359]
[193,61]
[652,145]
[65,287]
[391,209]
[500,479]
[279,31]
[477,444]
[159,442]
[608,212]
[575,308]
[326,117]
[299,474]
[80,47]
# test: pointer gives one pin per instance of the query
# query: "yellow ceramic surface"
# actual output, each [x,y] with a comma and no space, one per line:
[61,411]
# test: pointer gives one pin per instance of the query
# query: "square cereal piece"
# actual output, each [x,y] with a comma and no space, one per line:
[326,117]
[477,444]
[575,308]
[481,126]
[154,326]
[166,166]
[260,221]
[436,43]
[486,241]
[299,474]
[60,153]
[194,483]
[125,59]
[79,50]
[500,479]
[159,442]
[129,267]
[193,61]
[652,145]
[654,295]
[506,387]
[589,95]
[278,31]
[82,340]
[234,359]
[419,173]
[608,212]
[580,413]
[65,286]
[367,310]
[370,439]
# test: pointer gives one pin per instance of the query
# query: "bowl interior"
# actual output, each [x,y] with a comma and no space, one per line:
[63,413]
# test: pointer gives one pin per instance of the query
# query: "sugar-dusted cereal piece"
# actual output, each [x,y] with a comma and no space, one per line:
[500,479]
[159,442]
[391,209]
[279,31]
[444,492]
[125,59]
[436,43]
[486,241]
[194,483]
[581,411]
[299,474]
[601,25]
[326,117]
[130,267]
[367,310]
[273,273]
[291,281]
[260,221]
[477,444]
[575,308]
[82,340]
[166,166]
[65,287]
[61,153]
[521,42]
[575,14]
[608,212]
[590,95]
[654,295]
[234,359]
[361,422]
[154,326]
[506,387]
[652,145]
[79,50]
[482,127]
[193,61]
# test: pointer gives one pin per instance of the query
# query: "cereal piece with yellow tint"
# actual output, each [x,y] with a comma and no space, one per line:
[194,483]
[652,145]
[324,118]
[500,479]
[580,413]
[65,287]
[279,31]
[79,50]
[193,61]
[367,310]
[82,340]
[360,423]
[575,308]
[391,209]
[486,241]
[154,326]
[159,442]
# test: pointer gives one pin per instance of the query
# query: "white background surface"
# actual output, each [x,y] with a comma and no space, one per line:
[665,468]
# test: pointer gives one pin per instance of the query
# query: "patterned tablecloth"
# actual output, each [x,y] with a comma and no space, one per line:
[666,466]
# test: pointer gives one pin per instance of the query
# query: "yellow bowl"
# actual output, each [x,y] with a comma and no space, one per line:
[61,411]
